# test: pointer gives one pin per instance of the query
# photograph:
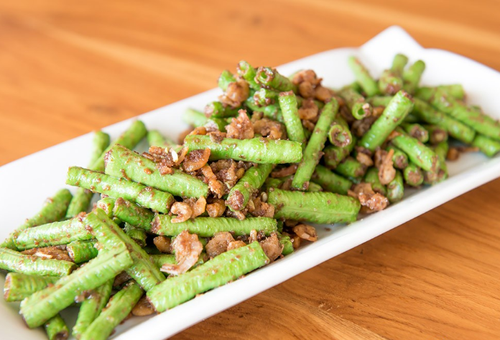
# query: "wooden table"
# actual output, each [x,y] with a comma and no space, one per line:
[67,68]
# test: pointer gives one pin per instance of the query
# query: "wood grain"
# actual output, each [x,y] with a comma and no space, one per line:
[67,68]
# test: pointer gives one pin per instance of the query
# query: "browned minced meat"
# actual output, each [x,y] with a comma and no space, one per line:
[216,207]
[235,244]
[216,136]
[215,186]
[143,307]
[323,94]
[272,247]
[347,114]
[464,149]
[236,200]
[306,89]
[308,125]
[308,110]
[386,171]
[269,128]
[240,127]
[53,252]
[187,252]
[197,205]
[306,232]
[162,243]
[258,208]
[196,159]
[377,111]
[218,244]
[240,215]
[364,156]
[360,127]
[236,93]
[183,211]
[307,82]
[284,172]
[368,198]
[228,171]
[453,154]
[121,279]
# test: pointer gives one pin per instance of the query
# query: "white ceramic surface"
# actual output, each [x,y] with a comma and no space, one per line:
[25,183]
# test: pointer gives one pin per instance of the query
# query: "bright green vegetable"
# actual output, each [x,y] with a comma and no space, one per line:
[363,77]
[225,79]
[269,77]
[220,270]
[56,328]
[215,110]
[120,187]
[413,175]
[121,162]
[248,73]
[250,183]
[287,245]
[351,168]
[333,155]
[19,286]
[133,214]
[14,261]
[117,309]
[373,178]
[412,75]
[82,251]
[356,103]
[136,234]
[289,110]
[315,207]
[418,153]
[399,158]
[209,226]
[416,131]
[395,189]
[487,145]
[330,181]
[257,150]
[312,152]
[339,133]
[394,113]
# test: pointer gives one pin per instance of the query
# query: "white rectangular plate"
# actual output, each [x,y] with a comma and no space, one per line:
[24,184]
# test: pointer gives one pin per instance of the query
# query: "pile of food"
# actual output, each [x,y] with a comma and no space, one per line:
[238,192]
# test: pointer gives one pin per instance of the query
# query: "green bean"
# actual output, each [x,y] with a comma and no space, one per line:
[155,138]
[53,210]
[209,226]
[46,303]
[117,309]
[265,96]
[53,234]
[395,189]
[56,328]
[390,82]
[399,158]
[373,178]
[225,79]
[333,155]
[380,100]
[219,110]
[330,181]
[249,184]
[398,63]
[287,245]
[194,118]
[356,103]
[487,145]
[14,261]
[416,131]
[257,150]
[120,187]
[248,73]
[82,251]
[315,207]
[128,139]
[269,77]
[394,113]
[136,234]
[417,152]
[142,270]
[91,308]
[313,187]
[367,83]
[475,119]
[412,175]
[441,150]
[220,270]
[160,259]
[351,168]
[19,286]
[312,152]
[436,134]
[271,111]
[107,204]
[339,133]
[133,214]
[454,90]
[412,75]
[81,200]
[288,105]
[455,128]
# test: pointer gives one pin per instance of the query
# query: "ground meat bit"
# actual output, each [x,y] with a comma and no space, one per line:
[323,94]
[236,93]
[306,232]
[286,185]
[236,200]
[453,154]
[260,209]
[272,247]
[364,156]
[308,110]
[217,136]
[306,89]
[240,127]
[121,279]
[183,211]
[228,171]
[377,111]
[187,252]
[464,149]
[284,172]
[162,243]
[215,186]
[291,223]
[216,208]
[161,156]
[143,307]
[54,253]
[360,127]
[306,76]
[197,205]
[196,159]
[199,131]
[368,198]
[308,125]
[218,244]
[269,128]
[386,171]
[379,156]
[240,215]
[296,241]
[235,244]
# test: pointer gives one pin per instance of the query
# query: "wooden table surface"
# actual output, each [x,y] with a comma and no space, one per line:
[67,68]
